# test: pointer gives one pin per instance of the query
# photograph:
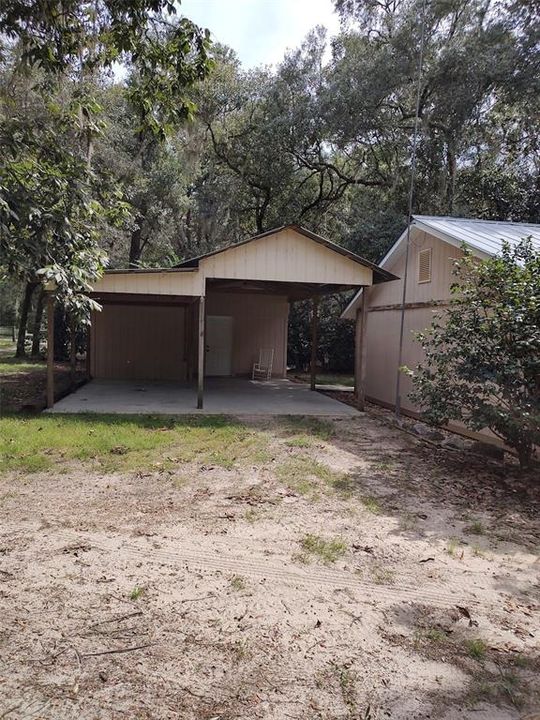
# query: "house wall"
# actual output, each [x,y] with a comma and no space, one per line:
[259,321]
[138,342]
[286,256]
[384,322]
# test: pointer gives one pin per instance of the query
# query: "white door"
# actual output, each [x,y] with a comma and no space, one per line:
[219,342]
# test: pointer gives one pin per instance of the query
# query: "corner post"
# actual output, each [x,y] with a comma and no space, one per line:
[200,371]
[50,350]
[314,341]
[360,351]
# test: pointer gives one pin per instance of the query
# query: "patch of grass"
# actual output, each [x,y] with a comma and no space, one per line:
[12,366]
[383,465]
[371,505]
[301,473]
[136,593]
[238,583]
[347,680]
[452,545]
[327,379]
[300,441]
[308,426]
[241,650]
[522,661]
[477,648]
[435,635]
[432,635]
[123,442]
[408,522]
[328,551]
[475,528]
[505,685]
[251,515]
[382,575]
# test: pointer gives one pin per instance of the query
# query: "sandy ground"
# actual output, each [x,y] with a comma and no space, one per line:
[188,593]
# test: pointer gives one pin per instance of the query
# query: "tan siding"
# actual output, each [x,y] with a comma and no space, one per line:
[152,283]
[143,342]
[259,321]
[384,325]
[442,258]
[383,351]
[286,256]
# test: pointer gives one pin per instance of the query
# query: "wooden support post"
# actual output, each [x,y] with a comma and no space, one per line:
[314,329]
[50,350]
[72,350]
[200,364]
[187,339]
[89,350]
[360,351]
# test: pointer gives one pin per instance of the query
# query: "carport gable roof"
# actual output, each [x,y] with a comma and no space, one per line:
[379,274]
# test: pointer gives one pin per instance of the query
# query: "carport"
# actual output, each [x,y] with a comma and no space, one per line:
[208,318]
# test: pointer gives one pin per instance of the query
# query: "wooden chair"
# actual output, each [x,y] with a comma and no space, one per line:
[262,370]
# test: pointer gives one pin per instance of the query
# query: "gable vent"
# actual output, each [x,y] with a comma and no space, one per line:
[424,266]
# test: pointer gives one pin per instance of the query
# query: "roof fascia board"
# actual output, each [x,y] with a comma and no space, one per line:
[143,271]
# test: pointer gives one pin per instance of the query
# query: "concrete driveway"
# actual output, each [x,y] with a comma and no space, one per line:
[222,396]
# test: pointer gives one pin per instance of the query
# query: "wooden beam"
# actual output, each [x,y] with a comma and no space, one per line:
[200,371]
[314,339]
[50,350]
[89,349]
[360,351]
[411,305]
[122,298]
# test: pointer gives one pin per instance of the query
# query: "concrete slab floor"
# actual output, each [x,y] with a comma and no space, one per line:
[222,396]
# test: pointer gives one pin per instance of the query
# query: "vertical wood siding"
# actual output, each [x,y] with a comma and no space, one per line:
[139,343]
[181,282]
[286,256]
[259,321]
[383,349]
[442,258]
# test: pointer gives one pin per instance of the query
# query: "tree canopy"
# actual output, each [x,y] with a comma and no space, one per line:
[174,148]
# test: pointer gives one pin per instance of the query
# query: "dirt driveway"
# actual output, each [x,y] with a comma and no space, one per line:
[340,570]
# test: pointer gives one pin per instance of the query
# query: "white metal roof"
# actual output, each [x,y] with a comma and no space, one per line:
[484,237]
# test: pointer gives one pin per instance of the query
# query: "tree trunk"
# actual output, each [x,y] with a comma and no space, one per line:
[36,331]
[23,318]
[136,243]
[451,183]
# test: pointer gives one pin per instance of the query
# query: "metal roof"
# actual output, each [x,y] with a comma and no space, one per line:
[486,237]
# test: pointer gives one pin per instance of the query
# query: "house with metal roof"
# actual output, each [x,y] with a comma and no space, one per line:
[435,243]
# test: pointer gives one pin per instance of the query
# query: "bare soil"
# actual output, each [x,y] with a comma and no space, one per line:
[26,391]
[189,593]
